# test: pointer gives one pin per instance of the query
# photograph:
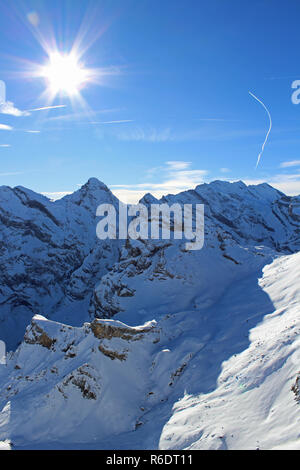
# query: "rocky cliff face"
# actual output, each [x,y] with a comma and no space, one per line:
[73,365]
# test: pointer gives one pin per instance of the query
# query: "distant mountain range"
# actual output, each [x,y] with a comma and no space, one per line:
[141,343]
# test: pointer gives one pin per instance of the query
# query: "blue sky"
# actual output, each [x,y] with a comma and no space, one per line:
[170,108]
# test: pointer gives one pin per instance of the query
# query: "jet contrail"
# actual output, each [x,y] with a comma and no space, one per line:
[48,107]
[265,141]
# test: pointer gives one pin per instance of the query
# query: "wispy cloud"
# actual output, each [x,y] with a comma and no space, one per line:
[178,165]
[5,145]
[176,177]
[225,170]
[121,121]
[289,184]
[216,120]
[290,164]
[56,195]
[9,108]
[87,116]
[15,173]
[5,127]
[148,134]
[210,131]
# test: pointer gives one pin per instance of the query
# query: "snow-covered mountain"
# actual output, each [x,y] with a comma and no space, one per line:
[50,256]
[141,343]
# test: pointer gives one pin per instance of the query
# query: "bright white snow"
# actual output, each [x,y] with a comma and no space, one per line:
[203,347]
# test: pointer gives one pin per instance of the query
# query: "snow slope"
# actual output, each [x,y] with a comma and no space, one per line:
[151,346]
[216,381]
[252,405]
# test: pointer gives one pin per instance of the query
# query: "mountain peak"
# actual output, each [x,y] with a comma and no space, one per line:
[94,183]
[93,192]
[148,198]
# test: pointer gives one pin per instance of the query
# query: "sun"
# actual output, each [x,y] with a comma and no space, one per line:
[64,74]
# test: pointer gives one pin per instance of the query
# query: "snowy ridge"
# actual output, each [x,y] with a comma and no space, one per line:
[57,367]
[143,344]
[50,255]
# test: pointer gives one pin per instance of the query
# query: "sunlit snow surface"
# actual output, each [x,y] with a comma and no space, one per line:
[203,348]
[242,358]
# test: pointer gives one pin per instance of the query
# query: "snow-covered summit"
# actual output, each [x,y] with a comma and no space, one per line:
[167,339]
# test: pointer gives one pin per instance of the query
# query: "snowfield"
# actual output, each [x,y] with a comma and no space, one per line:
[142,344]
[252,405]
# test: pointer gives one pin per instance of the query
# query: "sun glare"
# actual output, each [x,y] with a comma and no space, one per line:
[64,74]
